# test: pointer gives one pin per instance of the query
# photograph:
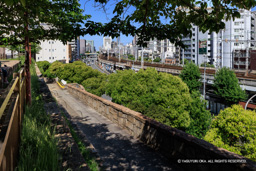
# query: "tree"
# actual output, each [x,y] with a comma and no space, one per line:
[158,59]
[234,130]
[226,85]
[95,85]
[200,117]
[151,19]
[33,20]
[208,65]
[161,96]
[191,76]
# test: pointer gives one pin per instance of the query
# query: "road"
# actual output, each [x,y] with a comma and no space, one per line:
[117,149]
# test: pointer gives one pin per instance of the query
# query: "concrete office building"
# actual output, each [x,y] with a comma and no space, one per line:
[82,46]
[52,50]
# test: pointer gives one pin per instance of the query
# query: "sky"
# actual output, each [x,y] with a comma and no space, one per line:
[99,15]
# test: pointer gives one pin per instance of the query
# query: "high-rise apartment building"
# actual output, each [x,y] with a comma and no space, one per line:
[217,48]
[107,43]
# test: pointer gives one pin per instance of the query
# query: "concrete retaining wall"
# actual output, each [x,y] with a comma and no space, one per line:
[178,146]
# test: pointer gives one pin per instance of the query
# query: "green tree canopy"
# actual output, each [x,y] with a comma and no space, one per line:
[226,85]
[235,130]
[200,117]
[60,20]
[163,19]
[191,76]
[160,96]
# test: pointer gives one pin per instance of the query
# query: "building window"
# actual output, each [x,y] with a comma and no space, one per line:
[38,57]
[64,57]
[236,30]
[236,37]
[49,57]
[63,50]
[52,42]
[49,42]
[52,50]
[49,50]
[236,44]
[236,23]
[52,57]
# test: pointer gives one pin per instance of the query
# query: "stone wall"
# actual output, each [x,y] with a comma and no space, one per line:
[172,143]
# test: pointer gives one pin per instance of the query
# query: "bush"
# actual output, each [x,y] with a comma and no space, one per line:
[43,66]
[95,85]
[161,96]
[235,130]
[208,65]
[158,59]
[200,117]
[56,68]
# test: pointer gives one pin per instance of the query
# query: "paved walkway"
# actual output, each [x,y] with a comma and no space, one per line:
[117,149]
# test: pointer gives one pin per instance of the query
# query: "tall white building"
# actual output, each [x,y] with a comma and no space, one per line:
[107,43]
[217,48]
[52,50]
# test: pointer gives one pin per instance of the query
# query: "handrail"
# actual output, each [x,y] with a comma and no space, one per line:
[3,107]
[19,80]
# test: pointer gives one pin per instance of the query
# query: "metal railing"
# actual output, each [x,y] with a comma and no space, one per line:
[10,145]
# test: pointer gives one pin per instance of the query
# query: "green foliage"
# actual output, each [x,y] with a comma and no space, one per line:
[78,72]
[38,148]
[91,161]
[200,116]
[191,76]
[146,20]
[235,130]
[56,68]
[185,61]
[65,17]
[95,85]
[208,65]
[43,65]
[158,59]
[226,85]
[131,57]
[158,95]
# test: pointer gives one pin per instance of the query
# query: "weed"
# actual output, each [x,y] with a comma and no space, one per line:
[38,148]
[92,164]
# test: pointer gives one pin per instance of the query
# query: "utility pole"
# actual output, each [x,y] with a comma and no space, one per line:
[182,57]
[247,55]
[142,60]
[204,77]
[119,53]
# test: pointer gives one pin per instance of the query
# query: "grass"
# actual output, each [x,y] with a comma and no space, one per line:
[90,161]
[38,148]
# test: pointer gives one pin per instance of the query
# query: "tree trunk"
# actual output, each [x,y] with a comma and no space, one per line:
[27,64]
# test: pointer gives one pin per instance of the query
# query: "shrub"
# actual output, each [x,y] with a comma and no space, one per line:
[235,130]
[160,96]
[43,66]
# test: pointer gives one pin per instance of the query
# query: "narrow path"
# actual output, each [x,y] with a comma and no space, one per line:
[117,149]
